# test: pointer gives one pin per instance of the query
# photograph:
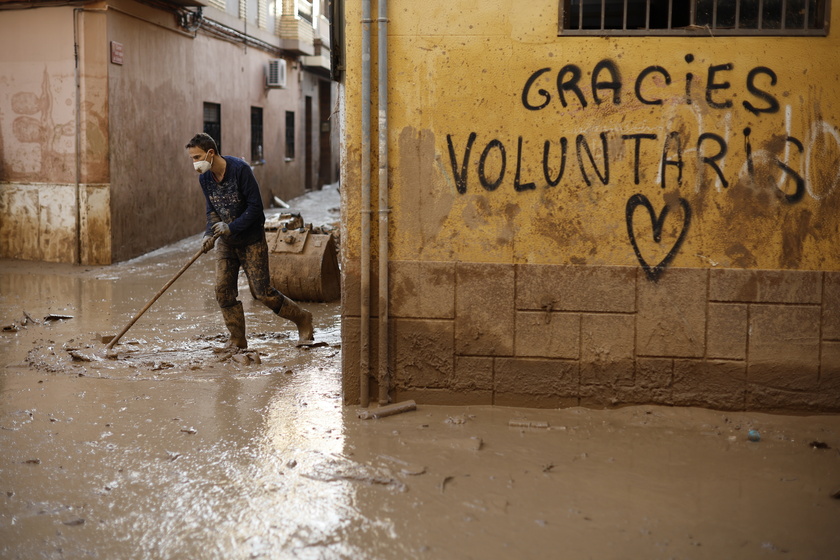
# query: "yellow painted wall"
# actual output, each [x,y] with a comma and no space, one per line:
[463,68]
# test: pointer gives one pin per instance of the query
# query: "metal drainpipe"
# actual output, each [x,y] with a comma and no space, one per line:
[382,61]
[78,135]
[77,77]
[77,46]
[364,335]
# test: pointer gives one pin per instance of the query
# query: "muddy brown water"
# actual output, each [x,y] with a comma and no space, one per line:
[173,452]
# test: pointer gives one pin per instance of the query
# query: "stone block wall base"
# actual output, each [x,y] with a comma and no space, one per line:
[558,336]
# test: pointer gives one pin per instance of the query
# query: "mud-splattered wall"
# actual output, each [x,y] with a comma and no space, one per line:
[38,195]
[116,182]
[572,217]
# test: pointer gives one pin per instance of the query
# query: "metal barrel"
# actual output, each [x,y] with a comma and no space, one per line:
[304,265]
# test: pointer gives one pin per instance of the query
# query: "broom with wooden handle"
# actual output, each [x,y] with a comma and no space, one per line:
[140,313]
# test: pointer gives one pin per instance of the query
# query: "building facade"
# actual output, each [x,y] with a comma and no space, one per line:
[99,98]
[587,208]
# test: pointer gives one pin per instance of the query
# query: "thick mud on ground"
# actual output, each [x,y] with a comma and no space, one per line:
[171,451]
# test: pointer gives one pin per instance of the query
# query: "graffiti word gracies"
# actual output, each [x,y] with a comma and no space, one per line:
[591,155]
[605,77]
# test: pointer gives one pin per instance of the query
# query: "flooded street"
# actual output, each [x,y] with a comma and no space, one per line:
[171,451]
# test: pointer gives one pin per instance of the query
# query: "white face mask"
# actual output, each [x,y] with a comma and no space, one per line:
[202,166]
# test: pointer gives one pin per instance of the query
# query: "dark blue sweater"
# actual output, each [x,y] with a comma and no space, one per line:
[235,201]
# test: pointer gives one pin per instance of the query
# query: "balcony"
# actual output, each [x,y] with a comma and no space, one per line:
[295,29]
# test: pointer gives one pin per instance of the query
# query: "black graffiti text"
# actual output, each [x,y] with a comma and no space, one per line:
[606,84]
[528,168]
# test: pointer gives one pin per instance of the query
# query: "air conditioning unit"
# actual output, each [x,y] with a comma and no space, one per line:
[275,74]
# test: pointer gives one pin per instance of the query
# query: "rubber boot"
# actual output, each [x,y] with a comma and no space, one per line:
[300,317]
[235,322]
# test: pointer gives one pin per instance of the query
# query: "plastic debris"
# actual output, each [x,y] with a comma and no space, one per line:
[79,356]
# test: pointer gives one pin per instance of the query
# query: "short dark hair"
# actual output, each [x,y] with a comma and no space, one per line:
[204,141]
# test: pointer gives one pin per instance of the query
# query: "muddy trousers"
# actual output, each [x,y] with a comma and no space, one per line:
[253,259]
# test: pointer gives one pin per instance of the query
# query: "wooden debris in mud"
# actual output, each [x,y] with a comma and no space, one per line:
[406,468]
[22,322]
[54,317]
[522,423]
[28,319]
[104,338]
[333,471]
[309,344]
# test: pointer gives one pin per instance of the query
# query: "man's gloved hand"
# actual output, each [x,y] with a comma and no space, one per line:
[207,243]
[221,228]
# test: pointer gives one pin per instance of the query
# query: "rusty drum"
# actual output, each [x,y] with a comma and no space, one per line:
[303,263]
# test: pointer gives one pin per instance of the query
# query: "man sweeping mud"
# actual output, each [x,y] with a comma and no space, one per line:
[235,215]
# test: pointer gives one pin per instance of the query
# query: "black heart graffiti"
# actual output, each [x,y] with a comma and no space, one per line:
[654,272]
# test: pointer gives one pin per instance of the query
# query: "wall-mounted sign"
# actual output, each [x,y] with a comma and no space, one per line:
[116,53]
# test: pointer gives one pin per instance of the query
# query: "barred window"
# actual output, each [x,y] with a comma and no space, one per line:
[213,123]
[290,135]
[256,135]
[694,17]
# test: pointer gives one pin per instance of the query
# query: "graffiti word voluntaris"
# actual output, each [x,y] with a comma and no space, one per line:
[709,149]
